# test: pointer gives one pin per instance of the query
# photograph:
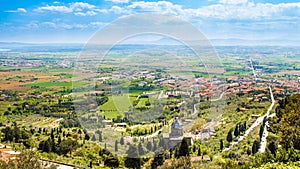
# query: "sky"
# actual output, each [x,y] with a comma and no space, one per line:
[69,21]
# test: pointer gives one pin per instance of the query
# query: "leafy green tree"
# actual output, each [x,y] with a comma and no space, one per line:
[181,163]
[112,162]
[8,134]
[27,159]
[67,146]
[158,160]
[16,134]
[46,145]
[272,146]
[287,120]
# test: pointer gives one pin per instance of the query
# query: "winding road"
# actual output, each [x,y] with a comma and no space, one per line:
[213,100]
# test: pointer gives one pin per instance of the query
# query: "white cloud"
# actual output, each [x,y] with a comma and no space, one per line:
[78,8]
[248,10]
[160,6]
[87,13]
[49,24]
[97,24]
[22,10]
[65,26]
[119,1]
[81,5]
[32,25]
[225,9]
[117,9]
[63,9]
[233,1]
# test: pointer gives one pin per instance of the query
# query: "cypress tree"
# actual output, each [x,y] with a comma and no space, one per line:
[122,141]
[221,144]
[183,148]
[100,136]
[141,149]
[255,147]
[93,137]
[236,130]
[116,146]
[199,151]
[132,160]
[229,137]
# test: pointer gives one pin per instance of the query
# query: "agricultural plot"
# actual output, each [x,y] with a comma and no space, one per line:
[116,105]
[120,103]
[143,103]
[51,83]
[112,114]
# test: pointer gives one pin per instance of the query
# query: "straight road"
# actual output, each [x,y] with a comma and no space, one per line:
[255,124]
[263,142]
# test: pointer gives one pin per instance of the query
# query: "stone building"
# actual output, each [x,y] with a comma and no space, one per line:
[176,135]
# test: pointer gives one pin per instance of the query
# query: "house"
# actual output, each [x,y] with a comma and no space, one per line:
[255,116]
[120,125]
[107,122]
[200,158]
[94,118]
[142,83]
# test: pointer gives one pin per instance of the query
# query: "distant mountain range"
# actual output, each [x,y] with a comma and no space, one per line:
[20,46]
[227,42]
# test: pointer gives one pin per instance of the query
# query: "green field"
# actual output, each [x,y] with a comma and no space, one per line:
[49,84]
[117,103]
[142,103]
[111,115]
[66,75]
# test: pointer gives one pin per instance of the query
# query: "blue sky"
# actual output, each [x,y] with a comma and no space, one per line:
[76,21]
